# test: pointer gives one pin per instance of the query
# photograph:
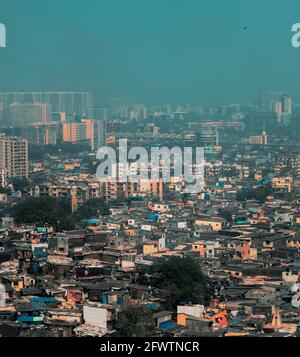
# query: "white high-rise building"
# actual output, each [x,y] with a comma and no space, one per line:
[68,102]
[14,156]
[286,104]
[24,114]
[99,135]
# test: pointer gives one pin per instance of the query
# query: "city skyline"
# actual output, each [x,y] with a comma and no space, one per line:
[84,102]
[149,172]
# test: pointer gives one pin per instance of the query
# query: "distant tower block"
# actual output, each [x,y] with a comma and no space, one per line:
[63,117]
[2,36]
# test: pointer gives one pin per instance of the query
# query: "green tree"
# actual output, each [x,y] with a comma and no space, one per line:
[5,190]
[44,210]
[19,184]
[259,194]
[136,321]
[92,208]
[226,214]
[36,152]
[182,281]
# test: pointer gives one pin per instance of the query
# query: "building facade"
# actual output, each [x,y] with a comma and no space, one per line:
[14,156]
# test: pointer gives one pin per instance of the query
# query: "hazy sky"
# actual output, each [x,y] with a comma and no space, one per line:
[162,51]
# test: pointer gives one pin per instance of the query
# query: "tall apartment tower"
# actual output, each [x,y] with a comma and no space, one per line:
[100,117]
[14,156]
[99,113]
[270,98]
[68,102]
[283,109]
[28,113]
[99,133]
[286,104]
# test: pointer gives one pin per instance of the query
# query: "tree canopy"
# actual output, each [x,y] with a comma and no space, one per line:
[259,194]
[45,210]
[182,281]
[136,321]
[19,184]
[92,208]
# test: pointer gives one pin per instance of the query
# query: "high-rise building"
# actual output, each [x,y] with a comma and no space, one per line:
[269,98]
[23,114]
[138,111]
[99,135]
[42,134]
[283,109]
[74,132]
[89,129]
[286,104]
[1,113]
[120,107]
[278,110]
[99,114]
[259,139]
[208,137]
[14,156]
[100,117]
[68,102]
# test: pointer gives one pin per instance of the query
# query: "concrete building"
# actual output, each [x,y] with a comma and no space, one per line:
[68,102]
[23,114]
[14,156]
[42,134]
[259,139]
[99,133]
[75,132]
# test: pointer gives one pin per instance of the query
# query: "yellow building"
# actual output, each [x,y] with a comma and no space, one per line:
[150,249]
[215,224]
[283,183]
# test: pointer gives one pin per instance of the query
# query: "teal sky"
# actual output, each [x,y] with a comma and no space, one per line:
[157,51]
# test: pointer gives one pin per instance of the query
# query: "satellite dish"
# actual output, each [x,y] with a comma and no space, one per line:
[296,300]
[295,288]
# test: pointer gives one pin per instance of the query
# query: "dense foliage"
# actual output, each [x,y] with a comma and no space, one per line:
[38,152]
[136,322]
[19,184]
[182,281]
[259,194]
[45,210]
[92,209]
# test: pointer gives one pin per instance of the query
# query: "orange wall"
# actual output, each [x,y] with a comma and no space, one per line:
[89,124]
[69,132]
[181,319]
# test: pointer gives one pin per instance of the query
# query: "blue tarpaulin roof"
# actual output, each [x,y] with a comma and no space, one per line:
[45,300]
[153,217]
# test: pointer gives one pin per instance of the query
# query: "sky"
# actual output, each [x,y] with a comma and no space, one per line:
[156,51]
